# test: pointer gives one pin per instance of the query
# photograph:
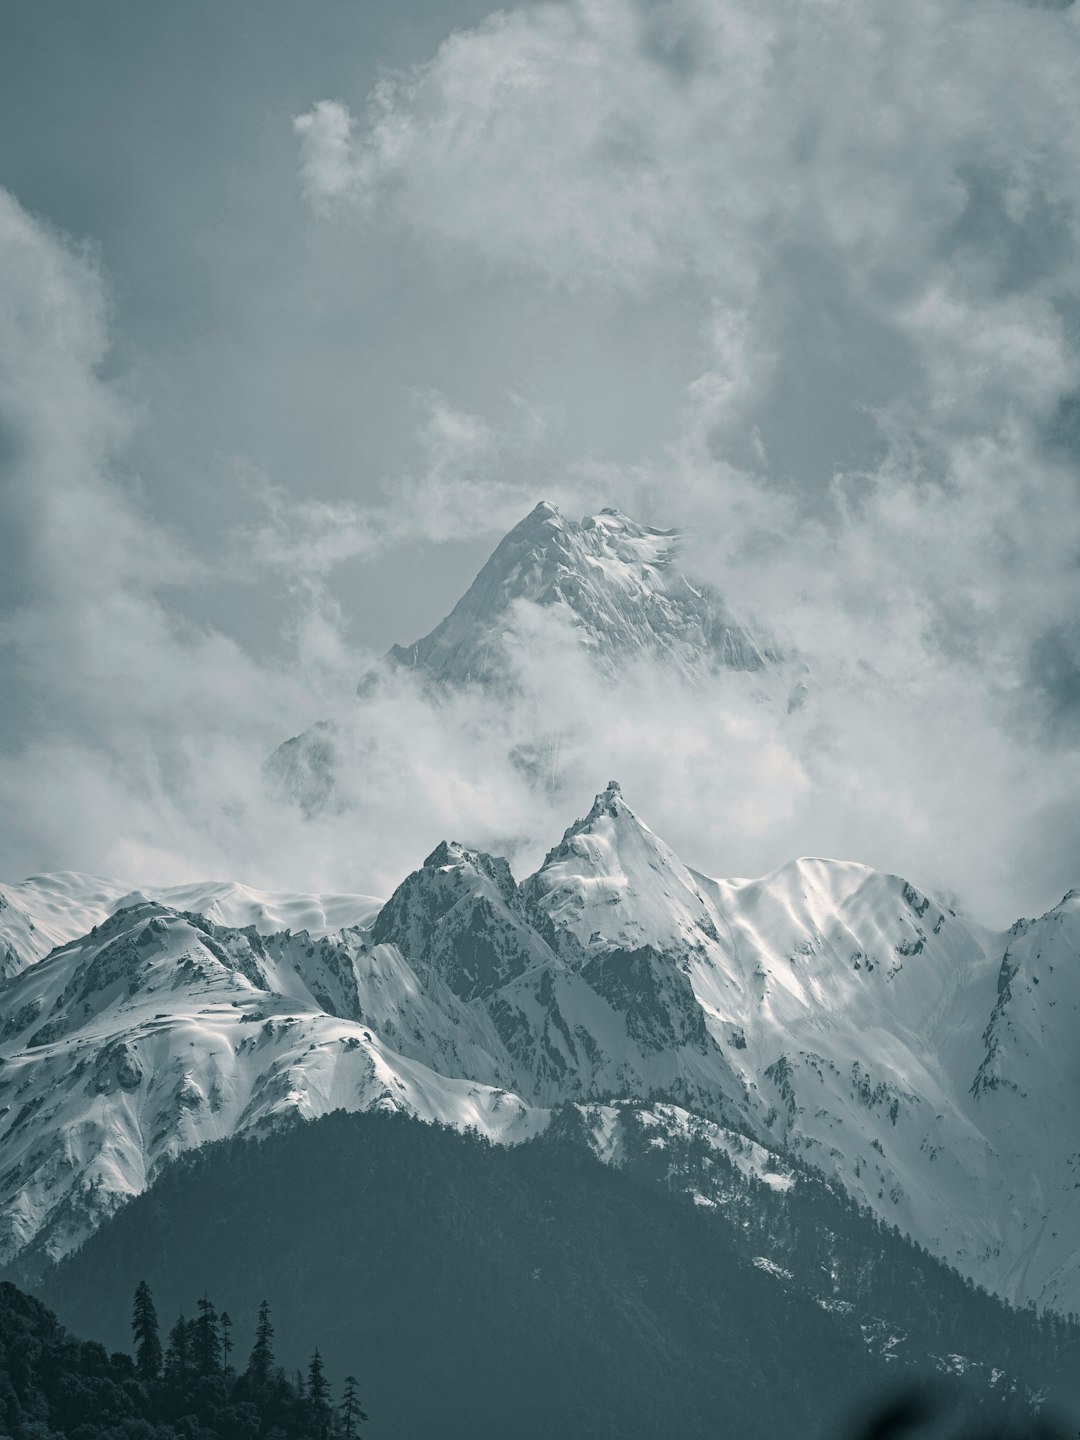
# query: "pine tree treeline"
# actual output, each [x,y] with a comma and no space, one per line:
[196,1379]
[52,1385]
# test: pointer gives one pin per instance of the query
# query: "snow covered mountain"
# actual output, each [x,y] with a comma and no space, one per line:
[614,589]
[620,585]
[159,1031]
[46,911]
[826,1013]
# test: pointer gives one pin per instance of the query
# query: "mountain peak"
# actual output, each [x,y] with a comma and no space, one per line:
[606,587]
[542,513]
[610,518]
[613,817]
[461,916]
[620,586]
[608,802]
[451,855]
[447,852]
[611,882]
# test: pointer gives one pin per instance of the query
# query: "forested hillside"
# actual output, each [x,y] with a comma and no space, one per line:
[187,1388]
[490,1292]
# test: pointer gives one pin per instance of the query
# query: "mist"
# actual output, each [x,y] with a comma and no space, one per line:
[874,455]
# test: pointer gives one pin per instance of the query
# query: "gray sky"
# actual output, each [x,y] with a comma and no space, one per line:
[302,306]
[252,334]
[162,135]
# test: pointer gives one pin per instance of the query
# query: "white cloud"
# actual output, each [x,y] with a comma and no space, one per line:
[473,477]
[875,207]
[878,207]
[126,730]
[839,179]
[328,163]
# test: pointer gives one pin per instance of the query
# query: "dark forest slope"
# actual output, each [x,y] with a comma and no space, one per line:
[481,1291]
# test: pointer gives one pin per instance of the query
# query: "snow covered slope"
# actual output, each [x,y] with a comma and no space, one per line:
[826,1013]
[1024,1093]
[159,1031]
[49,910]
[928,1067]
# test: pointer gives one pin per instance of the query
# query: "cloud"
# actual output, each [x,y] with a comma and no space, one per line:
[126,729]
[877,202]
[877,207]
[328,165]
[133,739]
[874,209]
[474,477]
[705,762]
[58,423]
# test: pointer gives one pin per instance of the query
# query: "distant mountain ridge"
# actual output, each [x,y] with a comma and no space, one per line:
[46,911]
[826,1013]
[616,589]
[619,583]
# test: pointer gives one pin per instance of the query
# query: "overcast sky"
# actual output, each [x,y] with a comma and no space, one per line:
[301,306]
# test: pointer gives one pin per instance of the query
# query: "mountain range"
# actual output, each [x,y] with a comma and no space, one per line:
[826,1013]
[830,1062]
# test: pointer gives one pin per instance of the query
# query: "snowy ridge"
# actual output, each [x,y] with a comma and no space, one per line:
[611,872]
[46,911]
[670,1127]
[826,1012]
[49,910]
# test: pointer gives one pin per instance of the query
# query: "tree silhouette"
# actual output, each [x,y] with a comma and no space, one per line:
[352,1417]
[54,1387]
[318,1396]
[207,1339]
[144,1327]
[226,1340]
[177,1355]
[260,1366]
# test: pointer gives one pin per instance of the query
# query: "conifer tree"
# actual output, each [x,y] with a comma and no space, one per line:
[352,1417]
[177,1355]
[207,1339]
[318,1396]
[144,1326]
[226,1340]
[260,1366]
